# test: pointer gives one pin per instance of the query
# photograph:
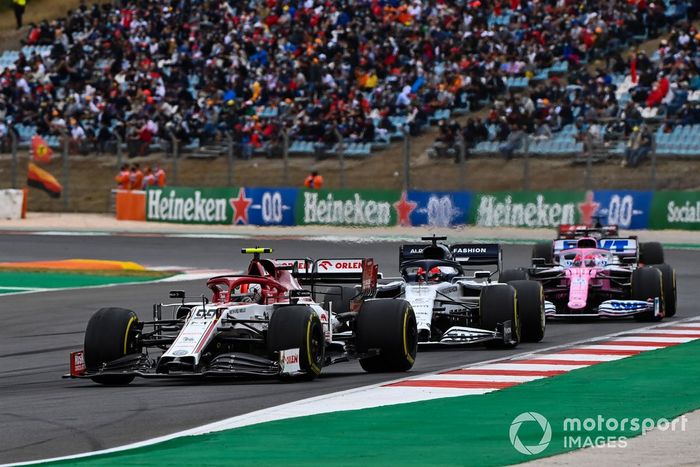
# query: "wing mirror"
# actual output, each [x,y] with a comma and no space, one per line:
[628,260]
[537,262]
[482,274]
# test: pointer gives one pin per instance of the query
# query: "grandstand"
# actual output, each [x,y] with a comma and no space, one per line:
[371,71]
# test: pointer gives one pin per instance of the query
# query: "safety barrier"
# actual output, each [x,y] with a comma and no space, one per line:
[361,208]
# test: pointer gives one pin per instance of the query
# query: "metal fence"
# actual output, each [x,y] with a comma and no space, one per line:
[227,154]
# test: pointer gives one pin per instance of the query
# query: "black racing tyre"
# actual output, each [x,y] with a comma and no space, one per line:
[509,275]
[387,325]
[111,334]
[668,276]
[530,298]
[647,282]
[651,253]
[498,304]
[543,250]
[298,327]
[339,298]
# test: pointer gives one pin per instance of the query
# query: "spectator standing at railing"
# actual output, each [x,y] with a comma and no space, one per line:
[123,177]
[160,176]
[149,179]
[135,177]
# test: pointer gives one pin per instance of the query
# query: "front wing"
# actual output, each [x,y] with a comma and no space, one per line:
[461,335]
[610,309]
[224,365]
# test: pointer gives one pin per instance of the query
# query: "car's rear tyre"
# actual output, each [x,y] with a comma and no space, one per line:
[530,298]
[668,277]
[498,304]
[509,275]
[298,327]
[111,334]
[543,250]
[651,253]
[647,282]
[389,326]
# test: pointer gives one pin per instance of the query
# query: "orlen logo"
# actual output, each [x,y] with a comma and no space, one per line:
[470,250]
[327,265]
[290,359]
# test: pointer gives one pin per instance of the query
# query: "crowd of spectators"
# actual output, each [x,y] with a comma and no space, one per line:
[198,69]
[618,101]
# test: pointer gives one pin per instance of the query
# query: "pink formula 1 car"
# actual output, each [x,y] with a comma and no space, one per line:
[586,280]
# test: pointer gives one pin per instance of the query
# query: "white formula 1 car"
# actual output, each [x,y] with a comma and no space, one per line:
[455,300]
[262,323]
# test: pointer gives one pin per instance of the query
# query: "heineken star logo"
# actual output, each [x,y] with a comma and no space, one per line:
[240,207]
[404,208]
[588,208]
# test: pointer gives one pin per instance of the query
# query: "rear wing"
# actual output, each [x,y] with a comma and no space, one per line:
[412,251]
[582,230]
[617,246]
[329,270]
[478,254]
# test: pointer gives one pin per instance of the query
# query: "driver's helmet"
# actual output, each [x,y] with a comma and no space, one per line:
[435,275]
[255,292]
[578,261]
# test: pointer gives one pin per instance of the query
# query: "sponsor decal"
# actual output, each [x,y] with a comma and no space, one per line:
[627,209]
[240,206]
[470,250]
[326,265]
[588,208]
[497,211]
[404,208]
[355,211]
[439,209]
[168,205]
[77,363]
[687,212]
[289,359]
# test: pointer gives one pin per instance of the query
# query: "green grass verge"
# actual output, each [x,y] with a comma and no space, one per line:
[63,279]
[471,430]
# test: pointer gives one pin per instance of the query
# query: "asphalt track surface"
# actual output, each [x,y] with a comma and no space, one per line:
[43,415]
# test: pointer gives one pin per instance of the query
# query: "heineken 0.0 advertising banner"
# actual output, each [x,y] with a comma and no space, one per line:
[675,210]
[239,206]
[439,208]
[351,207]
[532,208]
[626,208]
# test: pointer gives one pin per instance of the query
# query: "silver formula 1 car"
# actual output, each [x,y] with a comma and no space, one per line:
[262,323]
[451,290]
